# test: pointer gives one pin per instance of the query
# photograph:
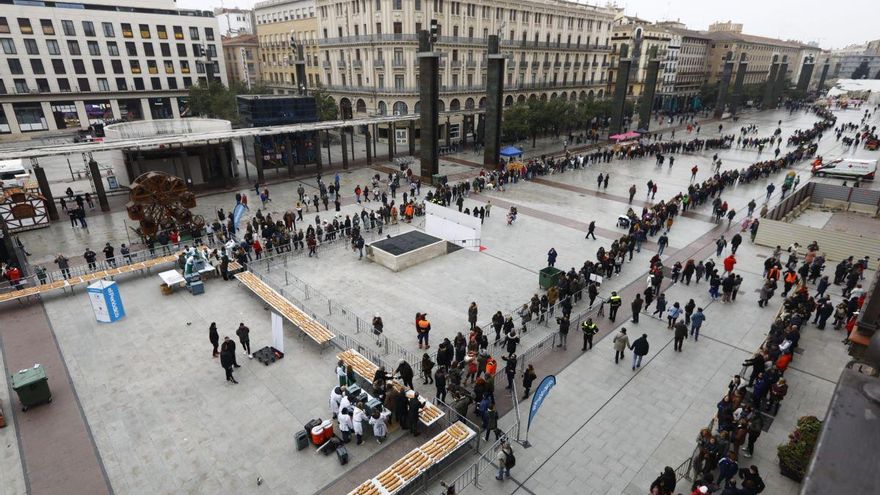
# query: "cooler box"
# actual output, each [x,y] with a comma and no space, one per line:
[197,288]
[354,391]
[548,277]
[301,440]
[342,454]
[32,387]
[373,405]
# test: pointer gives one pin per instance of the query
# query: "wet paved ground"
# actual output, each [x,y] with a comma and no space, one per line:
[163,420]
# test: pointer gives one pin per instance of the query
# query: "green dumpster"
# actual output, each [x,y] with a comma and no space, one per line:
[548,277]
[32,387]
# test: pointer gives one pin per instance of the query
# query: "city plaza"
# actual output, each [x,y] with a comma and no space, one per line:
[141,407]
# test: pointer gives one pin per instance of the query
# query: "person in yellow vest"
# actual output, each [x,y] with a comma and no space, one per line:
[614,302]
[590,329]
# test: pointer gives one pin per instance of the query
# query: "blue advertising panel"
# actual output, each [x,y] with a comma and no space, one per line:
[106,301]
[541,392]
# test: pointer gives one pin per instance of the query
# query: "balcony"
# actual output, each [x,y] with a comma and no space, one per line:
[398,63]
[566,65]
[379,64]
[595,64]
[546,65]
[536,65]
[326,64]
[455,64]
[369,38]
[557,64]
[341,64]
[357,64]
[471,64]
[483,64]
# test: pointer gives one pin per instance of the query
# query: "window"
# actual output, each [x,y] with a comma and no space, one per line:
[21,86]
[197,50]
[378,5]
[135,66]
[187,82]
[172,83]
[94,48]
[58,66]
[103,85]
[212,51]
[98,65]
[108,29]
[169,67]
[43,85]
[112,49]
[89,28]
[418,5]
[148,50]
[78,66]
[178,33]
[48,28]
[194,33]
[117,66]
[156,83]
[63,85]
[73,47]
[121,85]
[68,27]
[126,31]
[138,84]
[200,67]
[152,68]
[4,26]
[398,82]
[160,31]
[83,83]
[24,25]
[398,5]
[131,49]
[145,31]
[181,50]
[37,66]
[184,66]
[165,49]
[15,66]
[398,27]
[8,46]
[209,34]
[30,46]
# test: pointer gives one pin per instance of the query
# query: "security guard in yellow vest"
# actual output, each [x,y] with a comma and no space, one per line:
[614,301]
[590,329]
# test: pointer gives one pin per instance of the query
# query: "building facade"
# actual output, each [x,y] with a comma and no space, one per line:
[234,22]
[759,52]
[642,38]
[690,71]
[856,61]
[277,23]
[67,68]
[242,56]
[368,53]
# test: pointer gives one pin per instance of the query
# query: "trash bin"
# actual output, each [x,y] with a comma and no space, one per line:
[32,387]
[548,277]
[438,180]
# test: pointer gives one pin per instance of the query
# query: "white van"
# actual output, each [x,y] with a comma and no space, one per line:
[12,169]
[846,168]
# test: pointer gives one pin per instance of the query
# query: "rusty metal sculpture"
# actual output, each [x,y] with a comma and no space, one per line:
[161,201]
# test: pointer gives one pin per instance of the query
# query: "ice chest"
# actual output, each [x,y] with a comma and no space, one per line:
[301,440]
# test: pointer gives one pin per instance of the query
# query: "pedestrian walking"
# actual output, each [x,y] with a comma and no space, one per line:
[620,343]
[640,350]
[214,338]
[244,337]
[614,303]
[227,361]
[591,228]
[564,325]
[696,323]
[590,329]
[681,331]
[506,460]
[636,306]
[529,377]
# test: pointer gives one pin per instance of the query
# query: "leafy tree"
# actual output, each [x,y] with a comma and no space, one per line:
[219,102]
[327,108]
[515,124]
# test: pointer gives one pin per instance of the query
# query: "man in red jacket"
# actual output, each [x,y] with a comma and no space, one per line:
[728,264]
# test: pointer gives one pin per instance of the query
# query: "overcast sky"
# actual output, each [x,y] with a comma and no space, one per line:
[832,24]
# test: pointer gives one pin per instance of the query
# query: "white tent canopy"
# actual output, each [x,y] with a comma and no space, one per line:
[867,89]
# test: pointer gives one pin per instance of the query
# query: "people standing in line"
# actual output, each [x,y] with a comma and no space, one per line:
[529,377]
[427,368]
[492,422]
[413,407]
[472,314]
[243,334]
[640,350]
[64,265]
[620,342]
[358,417]
[346,425]
[564,325]
[214,338]
[380,428]
[405,372]
[90,257]
[440,383]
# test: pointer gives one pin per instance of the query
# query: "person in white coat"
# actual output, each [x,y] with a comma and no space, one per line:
[345,424]
[380,428]
[358,418]
[335,398]
[341,373]
[344,402]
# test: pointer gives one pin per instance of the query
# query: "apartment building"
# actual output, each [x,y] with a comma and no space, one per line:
[234,22]
[277,23]
[759,52]
[242,56]
[690,70]
[368,53]
[641,37]
[856,61]
[66,66]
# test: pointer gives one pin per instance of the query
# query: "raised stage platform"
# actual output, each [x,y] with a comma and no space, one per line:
[405,250]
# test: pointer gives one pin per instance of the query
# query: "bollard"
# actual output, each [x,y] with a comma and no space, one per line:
[285,279]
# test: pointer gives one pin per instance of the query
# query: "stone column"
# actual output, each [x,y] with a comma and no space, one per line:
[225,162]
[780,81]
[11,119]
[738,84]
[806,74]
[723,84]
[288,146]
[258,159]
[84,117]
[49,116]
[650,87]
[822,77]
[494,103]
[343,135]
[411,138]
[145,109]
[369,138]
[301,79]
[429,95]
[46,191]
[99,185]
[391,128]
[620,85]
[771,82]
